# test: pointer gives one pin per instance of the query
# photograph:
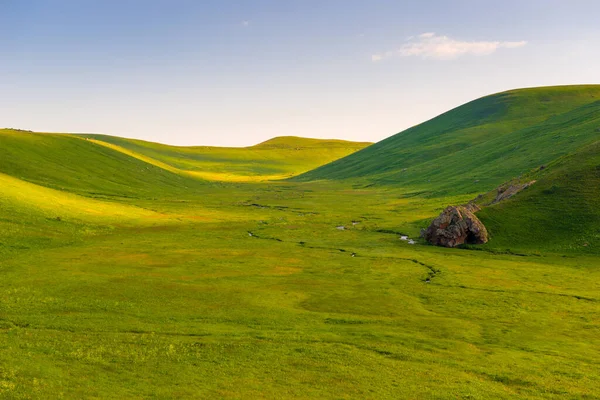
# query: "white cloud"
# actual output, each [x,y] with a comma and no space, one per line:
[245,23]
[431,46]
[513,45]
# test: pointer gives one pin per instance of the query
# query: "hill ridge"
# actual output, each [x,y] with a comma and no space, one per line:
[465,150]
[89,163]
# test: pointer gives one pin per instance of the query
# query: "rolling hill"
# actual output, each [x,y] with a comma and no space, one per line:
[477,146]
[71,164]
[96,165]
[277,158]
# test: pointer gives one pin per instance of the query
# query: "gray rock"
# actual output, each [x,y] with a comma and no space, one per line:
[457,225]
[507,191]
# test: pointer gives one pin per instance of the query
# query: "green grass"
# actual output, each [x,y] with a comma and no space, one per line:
[559,213]
[69,163]
[124,275]
[198,308]
[480,145]
[277,158]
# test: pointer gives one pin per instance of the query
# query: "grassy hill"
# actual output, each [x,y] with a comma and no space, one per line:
[111,166]
[69,163]
[277,158]
[560,212]
[479,145]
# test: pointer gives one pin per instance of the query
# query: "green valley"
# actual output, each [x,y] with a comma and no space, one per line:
[131,269]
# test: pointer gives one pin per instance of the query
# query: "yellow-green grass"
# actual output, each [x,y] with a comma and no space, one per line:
[69,163]
[33,198]
[33,216]
[96,166]
[278,158]
[201,309]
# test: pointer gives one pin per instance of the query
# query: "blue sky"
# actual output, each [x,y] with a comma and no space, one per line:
[239,72]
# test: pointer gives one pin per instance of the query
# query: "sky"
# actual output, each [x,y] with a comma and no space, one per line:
[238,72]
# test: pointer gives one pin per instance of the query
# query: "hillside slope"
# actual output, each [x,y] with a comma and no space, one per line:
[278,158]
[479,145]
[71,164]
[560,212]
[96,165]
[34,217]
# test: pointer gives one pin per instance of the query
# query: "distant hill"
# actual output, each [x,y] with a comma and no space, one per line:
[97,165]
[560,212]
[479,145]
[277,158]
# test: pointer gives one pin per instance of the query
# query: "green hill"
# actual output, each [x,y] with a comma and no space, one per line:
[278,158]
[69,163]
[109,166]
[479,145]
[560,212]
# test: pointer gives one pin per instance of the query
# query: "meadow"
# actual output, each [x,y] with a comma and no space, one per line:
[252,292]
[123,275]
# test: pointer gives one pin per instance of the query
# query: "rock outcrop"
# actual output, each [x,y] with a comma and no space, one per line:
[457,225]
[507,191]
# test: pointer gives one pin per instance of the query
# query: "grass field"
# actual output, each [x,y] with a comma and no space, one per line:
[193,306]
[122,275]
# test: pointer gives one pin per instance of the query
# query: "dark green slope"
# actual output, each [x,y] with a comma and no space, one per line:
[560,212]
[479,145]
